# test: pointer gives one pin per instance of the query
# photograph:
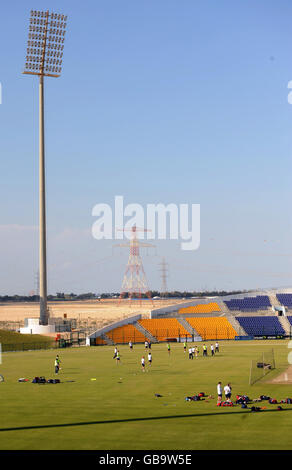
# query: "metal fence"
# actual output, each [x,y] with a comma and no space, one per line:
[214,334]
[180,336]
[163,335]
[10,347]
[270,332]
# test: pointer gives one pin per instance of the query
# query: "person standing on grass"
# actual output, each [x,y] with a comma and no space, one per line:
[149,345]
[149,358]
[118,357]
[146,345]
[59,361]
[196,351]
[57,366]
[115,352]
[190,353]
[143,363]
[205,350]
[216,346]
[168,348]
[131,345]
[212,350]
[227,391]
[219,392]
[185,347]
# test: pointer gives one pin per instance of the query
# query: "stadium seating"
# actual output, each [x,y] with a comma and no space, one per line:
[201,308]
[100,342]
[285,299]
[126,333]
[249,304]
[261,326]
[212,327]
[289,318]
[165,328]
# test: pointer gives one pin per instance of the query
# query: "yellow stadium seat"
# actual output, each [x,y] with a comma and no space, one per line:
[165,328]
[201,308]
[126,333]
[212,327]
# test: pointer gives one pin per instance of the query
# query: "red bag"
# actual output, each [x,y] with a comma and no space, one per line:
[273,401]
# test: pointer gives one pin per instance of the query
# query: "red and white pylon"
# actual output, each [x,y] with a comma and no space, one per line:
[134,282]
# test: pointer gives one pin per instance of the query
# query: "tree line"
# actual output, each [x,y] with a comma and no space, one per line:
[61,296]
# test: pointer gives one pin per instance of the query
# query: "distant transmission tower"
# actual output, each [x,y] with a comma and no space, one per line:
[134,282]
[163,269]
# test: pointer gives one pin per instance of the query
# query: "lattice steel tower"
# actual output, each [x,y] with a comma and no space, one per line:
[164,268]
[134,282]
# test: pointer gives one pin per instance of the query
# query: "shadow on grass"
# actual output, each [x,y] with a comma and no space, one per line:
[129,420]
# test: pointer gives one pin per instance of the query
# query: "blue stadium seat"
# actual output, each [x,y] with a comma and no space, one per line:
[261,326]
[285,299]
[249,304]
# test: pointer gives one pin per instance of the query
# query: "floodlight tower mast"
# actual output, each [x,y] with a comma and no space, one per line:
[44,58]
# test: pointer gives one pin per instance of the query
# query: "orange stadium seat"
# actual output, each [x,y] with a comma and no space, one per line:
[165,328]
[126,333]
[201,308]
[100,341]
[212,327]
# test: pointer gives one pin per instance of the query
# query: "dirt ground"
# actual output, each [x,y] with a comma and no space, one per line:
[104,310]
[284,377]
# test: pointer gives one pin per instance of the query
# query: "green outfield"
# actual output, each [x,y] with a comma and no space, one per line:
[11,337]
[119,409]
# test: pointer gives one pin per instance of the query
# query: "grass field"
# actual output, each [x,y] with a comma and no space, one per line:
[12,337]
[119,409]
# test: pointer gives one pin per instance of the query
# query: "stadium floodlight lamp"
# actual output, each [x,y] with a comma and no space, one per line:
[44,58]
[46,31]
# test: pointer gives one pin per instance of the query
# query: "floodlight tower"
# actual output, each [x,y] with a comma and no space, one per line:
[44,58]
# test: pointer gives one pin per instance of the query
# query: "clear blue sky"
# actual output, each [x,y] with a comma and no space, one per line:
[159,101]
